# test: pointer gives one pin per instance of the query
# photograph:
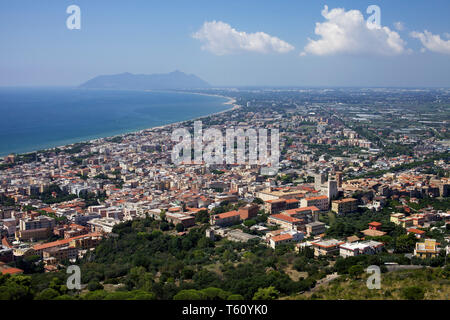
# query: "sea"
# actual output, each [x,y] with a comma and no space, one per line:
[34,119]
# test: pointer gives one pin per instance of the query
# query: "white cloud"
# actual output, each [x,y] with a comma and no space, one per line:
[347,32]
[432,42]
[220,38]
[399,26]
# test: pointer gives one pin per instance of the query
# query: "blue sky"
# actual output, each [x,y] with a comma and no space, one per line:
[157,37]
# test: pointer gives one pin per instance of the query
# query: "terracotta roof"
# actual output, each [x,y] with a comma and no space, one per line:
[5,269]
[312,208]
[11,271]
[328,243]
[63,242]
[282,237]
[373,233]
[284,218]
[413,230]
[228,214]
[317,198]
[276,201]
[5,242]
[352,239]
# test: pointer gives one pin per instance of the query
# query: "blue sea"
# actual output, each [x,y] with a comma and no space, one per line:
[38,118]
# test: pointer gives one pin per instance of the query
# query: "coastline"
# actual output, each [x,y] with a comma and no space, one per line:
[231,101]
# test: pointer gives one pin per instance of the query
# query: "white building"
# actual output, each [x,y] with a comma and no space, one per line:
[358,248]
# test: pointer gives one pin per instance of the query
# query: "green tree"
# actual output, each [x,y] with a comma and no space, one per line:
[269,293]
[95,295]
[258,201]
[202,216]
[189,295]
[47,294]
[16,287]
[356,271]
[94,286]
[413,293]
[249,223]
[179,227]
[212,293]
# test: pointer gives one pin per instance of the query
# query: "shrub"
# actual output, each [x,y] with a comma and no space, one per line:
[413,293]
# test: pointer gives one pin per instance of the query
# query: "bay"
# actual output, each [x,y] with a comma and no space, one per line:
[38,118]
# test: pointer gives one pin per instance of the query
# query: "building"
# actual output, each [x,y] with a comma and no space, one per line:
[33,234]
[270,194]
[85,241]
[54,255]
[332,189]
[248,211]
[326,247]
[285,221]
[176,218]
[40,222]
[275,206]
[339,179]
[396,217]
[321,202]
[374,230]
[418,219]
[6,254]
[5,269]
[359,248]
[308,214]
[240,236]
[75,230]
[418,233]
[285,238]
[11,158]
[427,249]
[319,180]
[103,225]
[315,228]
[444,189]
[24,251]
[344,206]
[210,234]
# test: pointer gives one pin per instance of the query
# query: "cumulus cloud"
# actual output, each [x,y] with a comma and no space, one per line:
[220,38]
[432,42]
[347,32]
[399,26]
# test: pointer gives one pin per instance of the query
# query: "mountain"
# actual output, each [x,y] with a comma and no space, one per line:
[128,81]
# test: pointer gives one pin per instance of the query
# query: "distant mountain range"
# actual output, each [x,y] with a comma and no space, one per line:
[128,81]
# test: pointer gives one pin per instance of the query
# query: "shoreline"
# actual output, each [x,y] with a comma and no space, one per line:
[231,101]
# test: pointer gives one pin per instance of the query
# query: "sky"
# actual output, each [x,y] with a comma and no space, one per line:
[229,43]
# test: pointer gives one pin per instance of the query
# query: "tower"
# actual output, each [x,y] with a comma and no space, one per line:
[332,189]
[339,179]
[319,180]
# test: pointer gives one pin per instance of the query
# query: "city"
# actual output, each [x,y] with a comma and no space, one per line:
[363,180]
[224,159]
